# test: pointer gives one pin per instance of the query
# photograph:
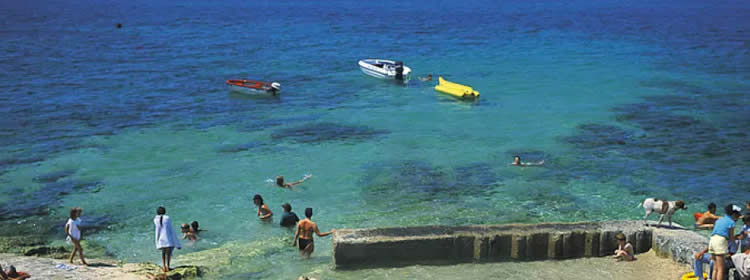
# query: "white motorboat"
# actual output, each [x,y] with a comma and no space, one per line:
[254,87]
[385,69]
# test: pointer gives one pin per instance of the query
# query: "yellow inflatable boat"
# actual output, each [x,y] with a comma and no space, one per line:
[456,90]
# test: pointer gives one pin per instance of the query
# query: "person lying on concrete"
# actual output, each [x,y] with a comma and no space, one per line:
[707,219]
[12,274]
[304,235]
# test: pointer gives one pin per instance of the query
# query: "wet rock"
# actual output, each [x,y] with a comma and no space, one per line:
[57,252]
[320,132]
[40,201]
[153,271]
[54,176]
[234,148]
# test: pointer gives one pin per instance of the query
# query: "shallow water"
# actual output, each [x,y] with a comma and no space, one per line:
[623,101]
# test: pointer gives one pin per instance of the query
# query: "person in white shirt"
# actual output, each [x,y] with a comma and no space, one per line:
[74,234]
[166,237]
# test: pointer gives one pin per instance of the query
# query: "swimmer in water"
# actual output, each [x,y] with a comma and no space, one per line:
[517,161]
[426,79]
[280,182]
[264,212]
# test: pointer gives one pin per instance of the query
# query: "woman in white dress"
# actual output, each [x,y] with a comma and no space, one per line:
[74,234]
[166,237]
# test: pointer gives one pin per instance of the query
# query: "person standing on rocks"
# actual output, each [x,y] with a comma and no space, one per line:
[166,237]
[74,234]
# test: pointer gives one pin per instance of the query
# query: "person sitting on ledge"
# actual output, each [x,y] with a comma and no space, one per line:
[517,162]
[707,219]
[280,181]
[12,274]
[624,250]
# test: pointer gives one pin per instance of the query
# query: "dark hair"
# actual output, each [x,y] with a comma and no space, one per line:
[286,207]
[712,205]
[258,197]
[620,236]
[184,226]
[161,211]
[517,156]
[729,209]
[73,212]
[280,180]
[308,212]
[194,224]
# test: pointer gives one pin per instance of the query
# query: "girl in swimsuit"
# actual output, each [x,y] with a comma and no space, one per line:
[263,211]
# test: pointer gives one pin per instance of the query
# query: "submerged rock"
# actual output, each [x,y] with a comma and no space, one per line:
[54,176]
[320,132]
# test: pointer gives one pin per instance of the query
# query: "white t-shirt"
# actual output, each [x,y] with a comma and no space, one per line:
[73,229]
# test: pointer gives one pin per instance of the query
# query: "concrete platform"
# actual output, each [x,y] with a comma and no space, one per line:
[353,248]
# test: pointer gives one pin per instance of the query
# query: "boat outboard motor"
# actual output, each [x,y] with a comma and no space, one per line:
[399,70]
[275,88]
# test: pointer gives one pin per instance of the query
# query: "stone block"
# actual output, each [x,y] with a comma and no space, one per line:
[518,247]
[537,246]
[574,244]
[591,244]
[500,247]
[555,246]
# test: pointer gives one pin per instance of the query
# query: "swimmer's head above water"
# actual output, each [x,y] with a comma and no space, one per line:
[280,180]
[258,200]
[516,160]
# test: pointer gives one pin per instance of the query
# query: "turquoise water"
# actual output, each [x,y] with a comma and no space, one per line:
[623,101]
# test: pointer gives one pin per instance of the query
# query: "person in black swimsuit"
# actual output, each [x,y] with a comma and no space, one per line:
[304,235]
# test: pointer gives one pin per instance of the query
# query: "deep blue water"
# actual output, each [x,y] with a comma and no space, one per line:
[622,99]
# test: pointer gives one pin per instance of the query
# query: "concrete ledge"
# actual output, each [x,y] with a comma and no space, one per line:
[516,242]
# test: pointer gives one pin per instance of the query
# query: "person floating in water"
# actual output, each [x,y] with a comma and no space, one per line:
[426,79]
[264,212]
[304,235]
[517,161]
[280,181]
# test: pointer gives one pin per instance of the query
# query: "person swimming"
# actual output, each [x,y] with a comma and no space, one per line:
[304,235]
[426,79]
[263,211]
[280,181]
[517,161]
[187,233]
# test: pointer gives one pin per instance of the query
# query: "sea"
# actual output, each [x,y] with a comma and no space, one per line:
[622,100]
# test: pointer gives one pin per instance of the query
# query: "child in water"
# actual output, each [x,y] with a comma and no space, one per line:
[187,233]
